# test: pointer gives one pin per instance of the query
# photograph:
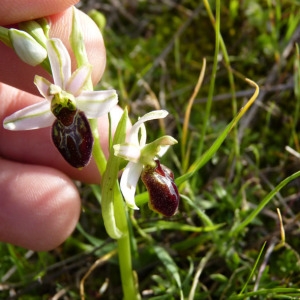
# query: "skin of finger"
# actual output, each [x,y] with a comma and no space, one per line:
[36,146]
[40,206]
[16,73]
[14,11]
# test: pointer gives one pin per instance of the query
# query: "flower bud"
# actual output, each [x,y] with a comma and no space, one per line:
[163,192]
[77,42]
[34,29]
[98,18]
[26,47]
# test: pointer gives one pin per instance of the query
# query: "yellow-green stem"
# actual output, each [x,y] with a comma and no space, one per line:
[129,285]
[114,209]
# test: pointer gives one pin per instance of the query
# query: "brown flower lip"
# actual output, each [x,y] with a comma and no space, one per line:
[163,192]
[72,136]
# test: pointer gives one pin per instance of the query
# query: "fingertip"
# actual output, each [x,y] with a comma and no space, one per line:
[40,206]
[22,10]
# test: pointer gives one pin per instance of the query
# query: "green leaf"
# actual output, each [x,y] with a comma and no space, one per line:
[170,265]
[110,182]
[263,203]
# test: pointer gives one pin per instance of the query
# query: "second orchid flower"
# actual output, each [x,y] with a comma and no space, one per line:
[143,160]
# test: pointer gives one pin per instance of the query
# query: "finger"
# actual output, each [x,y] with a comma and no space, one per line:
[22,10]
[35,146]
[20,75]
[40,206]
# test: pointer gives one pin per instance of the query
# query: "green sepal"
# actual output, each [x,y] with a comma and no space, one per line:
[78,46]
[152,149]
[45,26]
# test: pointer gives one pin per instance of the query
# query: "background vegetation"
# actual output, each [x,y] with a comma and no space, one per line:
[236,235]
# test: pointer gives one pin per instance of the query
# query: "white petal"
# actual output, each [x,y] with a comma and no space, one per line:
[31,117]
[127,151]
[96,103]
[156,114]
[78,80]
[129,179]
[43,86]
[60,62]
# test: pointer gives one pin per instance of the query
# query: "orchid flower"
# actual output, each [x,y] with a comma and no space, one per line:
[66,106]
[140,154]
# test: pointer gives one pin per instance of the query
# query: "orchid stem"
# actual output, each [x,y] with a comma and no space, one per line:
[113,206]
[124,250]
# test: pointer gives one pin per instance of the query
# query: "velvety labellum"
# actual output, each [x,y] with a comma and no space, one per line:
[163,192]
[72,136]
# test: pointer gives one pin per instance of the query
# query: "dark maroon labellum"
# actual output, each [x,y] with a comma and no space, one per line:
[163,192]
[72,136]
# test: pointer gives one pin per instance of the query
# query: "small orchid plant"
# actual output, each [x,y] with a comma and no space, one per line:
[71,107]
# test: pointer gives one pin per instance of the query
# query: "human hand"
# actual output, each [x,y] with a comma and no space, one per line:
[40,205]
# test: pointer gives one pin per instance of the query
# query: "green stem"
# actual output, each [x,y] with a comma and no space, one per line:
[111,207]
[129,285]
[116,208]
[4,36]
[114,214]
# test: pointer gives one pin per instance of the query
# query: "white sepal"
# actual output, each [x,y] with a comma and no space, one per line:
[96,103]
[129,179]
[60,62]
[34,116]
